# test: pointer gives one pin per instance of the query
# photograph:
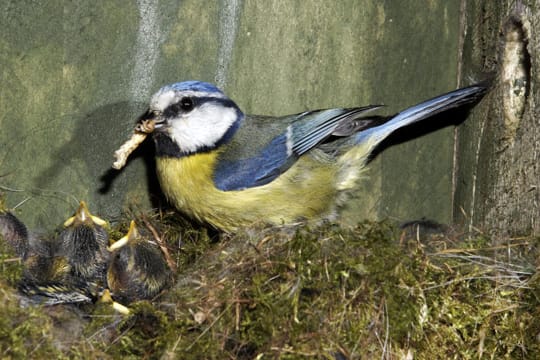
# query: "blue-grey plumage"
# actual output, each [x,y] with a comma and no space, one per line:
[230,169]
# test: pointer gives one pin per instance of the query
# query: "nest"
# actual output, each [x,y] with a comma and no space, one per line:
[374,291]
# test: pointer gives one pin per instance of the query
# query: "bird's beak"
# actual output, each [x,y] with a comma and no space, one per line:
[107,298]
[132,233]
[152,117]
[83,215]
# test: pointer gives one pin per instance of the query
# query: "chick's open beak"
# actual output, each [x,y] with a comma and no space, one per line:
[83,215]
[131,234]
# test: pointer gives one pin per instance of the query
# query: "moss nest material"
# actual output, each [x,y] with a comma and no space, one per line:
[325,292]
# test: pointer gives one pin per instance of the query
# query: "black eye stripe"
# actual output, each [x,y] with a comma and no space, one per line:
[222,101]
[187,103]
[171,110]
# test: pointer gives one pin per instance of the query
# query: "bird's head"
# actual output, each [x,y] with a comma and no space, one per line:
[83,216]
[191,117]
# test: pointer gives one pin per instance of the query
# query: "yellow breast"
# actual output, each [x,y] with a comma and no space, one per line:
[305,191]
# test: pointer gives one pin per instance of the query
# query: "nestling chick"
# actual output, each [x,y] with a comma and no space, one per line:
[56,293]
[14,233]
[41,265]
[84,243]
[229,169]
[62,270]
[46,269]
[137,269]
[47,278]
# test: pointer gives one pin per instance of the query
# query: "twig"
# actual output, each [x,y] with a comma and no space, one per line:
[160,243]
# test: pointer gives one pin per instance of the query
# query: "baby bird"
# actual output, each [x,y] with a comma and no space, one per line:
[71,268]
[56,293]
[84,243]
[48,277]
[14,233]
[137,269]
[45,268]
[37,253]
[229,169]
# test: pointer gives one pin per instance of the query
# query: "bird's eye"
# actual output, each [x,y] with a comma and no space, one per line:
[186,104]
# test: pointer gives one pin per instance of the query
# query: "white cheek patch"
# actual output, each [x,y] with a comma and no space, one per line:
[202,127]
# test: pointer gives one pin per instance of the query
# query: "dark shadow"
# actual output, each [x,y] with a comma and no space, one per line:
[144,151]
[88,158]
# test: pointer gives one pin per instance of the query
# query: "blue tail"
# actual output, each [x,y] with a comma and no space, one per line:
[454,99]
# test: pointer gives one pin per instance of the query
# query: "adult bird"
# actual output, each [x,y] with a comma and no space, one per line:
[229,169]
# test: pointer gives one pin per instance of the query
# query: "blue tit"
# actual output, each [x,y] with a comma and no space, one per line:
[137,269]
[229,169]
[83,242]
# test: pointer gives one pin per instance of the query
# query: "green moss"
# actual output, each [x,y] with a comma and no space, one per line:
[10,265]
[317,292]
[25,332]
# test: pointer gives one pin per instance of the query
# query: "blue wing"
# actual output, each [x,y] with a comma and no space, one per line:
[264,147]
[257,170]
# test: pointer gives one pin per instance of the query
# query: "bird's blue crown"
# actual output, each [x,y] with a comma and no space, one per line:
[193,85]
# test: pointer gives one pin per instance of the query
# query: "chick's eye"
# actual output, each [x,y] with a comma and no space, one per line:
[186,104]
